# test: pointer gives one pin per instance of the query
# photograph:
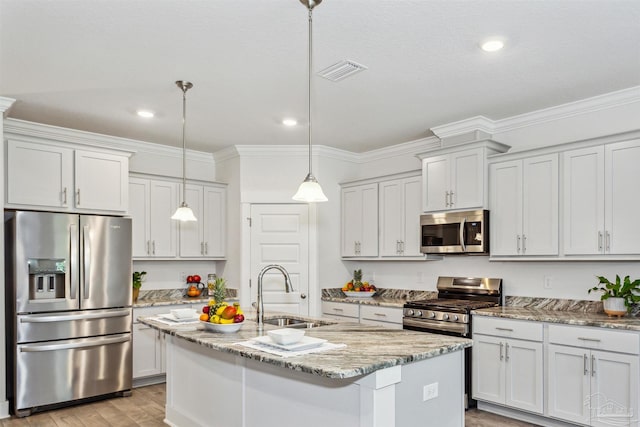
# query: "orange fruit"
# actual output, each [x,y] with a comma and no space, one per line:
[204,317]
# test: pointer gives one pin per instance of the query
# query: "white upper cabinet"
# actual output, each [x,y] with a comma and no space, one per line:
[359,220]
[601,200]
[400,210]
[204,238]
[454,181]
[60,178]
[524,206]
[151,204]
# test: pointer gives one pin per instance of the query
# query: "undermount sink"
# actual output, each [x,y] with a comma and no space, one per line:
[290,322]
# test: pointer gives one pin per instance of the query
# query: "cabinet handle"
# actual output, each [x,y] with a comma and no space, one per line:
[337,309]
[504,329]
[599,241]
[501,354]
[148,247]
[607,241]
[380,314]
[451,203]
[506,351]
[589,339]
[593,365]
[64,196]
[201,248]
[524,244]
[153,247]
[78,197]
[401,246]
[446,198]
[584,364]
[518,244]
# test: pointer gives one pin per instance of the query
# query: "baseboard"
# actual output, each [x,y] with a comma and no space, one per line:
[145,381]
[522,416]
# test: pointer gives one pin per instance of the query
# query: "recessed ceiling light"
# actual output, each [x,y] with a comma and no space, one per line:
[492,45]
[289,122]
[146,114]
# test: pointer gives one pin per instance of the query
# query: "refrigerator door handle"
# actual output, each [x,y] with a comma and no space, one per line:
[95,342]
[72,272]
[86,260]
[82,316]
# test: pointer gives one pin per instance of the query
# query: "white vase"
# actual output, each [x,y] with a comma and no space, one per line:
[614,306]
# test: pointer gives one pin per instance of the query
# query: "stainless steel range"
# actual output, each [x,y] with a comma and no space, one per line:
[450,312]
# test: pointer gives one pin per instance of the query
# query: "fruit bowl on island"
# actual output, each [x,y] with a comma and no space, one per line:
[360,294]
[225,328]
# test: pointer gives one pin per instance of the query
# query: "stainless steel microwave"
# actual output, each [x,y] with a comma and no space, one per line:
[455,233]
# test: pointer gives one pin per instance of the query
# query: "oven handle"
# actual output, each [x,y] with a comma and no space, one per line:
[462,223]
[437,326]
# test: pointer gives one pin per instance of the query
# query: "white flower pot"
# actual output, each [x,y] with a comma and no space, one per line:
[614,306]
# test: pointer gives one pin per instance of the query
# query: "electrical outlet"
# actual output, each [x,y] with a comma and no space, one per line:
[430,391]
[547,282]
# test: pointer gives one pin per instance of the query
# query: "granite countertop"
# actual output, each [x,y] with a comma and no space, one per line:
[568,317]
[160,297]
[369,348]
[383,297]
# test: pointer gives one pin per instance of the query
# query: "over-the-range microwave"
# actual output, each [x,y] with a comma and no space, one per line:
[455,233]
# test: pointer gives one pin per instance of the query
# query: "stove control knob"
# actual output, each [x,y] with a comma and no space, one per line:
[418,313]
[410,312]
[445,317]
[432,314]
[455,317]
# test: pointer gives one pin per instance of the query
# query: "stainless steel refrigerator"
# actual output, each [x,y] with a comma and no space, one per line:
[68,297]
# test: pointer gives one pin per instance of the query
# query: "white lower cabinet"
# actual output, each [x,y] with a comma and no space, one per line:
[341,310]
[587,383]
[389,317]
[507,363]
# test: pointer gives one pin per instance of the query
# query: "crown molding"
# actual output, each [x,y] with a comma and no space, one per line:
[38,131]
[409,148]
[558,112]
[6,103]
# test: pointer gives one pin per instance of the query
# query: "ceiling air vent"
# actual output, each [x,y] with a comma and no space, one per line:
[341,70]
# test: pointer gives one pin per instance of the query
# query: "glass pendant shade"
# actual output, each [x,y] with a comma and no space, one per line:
[310,191]
[184,213]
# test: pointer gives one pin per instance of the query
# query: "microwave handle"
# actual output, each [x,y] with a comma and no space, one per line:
[462,223]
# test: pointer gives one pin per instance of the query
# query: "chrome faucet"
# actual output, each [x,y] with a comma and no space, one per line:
[260,305]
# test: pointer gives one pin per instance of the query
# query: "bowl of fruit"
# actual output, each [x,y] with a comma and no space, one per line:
[194,286]
[222,317]
[363,290]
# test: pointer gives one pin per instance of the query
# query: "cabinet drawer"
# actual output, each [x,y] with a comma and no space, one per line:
[382,314]
[520,329]
[341,309]
[390,325]
[597,338]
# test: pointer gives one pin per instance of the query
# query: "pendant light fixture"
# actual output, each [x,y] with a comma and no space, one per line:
[310,190]
[184,212]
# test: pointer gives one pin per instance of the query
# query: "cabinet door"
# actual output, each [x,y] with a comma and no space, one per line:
[191,243]
[488,371]
[614,389]
[147,351]
[139,211]
[523,364]
[435,183]
[163,201]
[622,202]
[39,175]
[101,181]
[214,221]
[350,221]
[506,207]
[568,383]
[369,219]
[391,217]
[583,201]
[411,221]
[467,179]
[540,206]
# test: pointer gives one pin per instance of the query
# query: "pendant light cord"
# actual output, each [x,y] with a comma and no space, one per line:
[309,85]
[184,145]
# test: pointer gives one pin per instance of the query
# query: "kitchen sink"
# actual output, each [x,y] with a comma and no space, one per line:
[290,322]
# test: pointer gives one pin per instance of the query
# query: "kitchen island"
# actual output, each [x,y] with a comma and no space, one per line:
[383,377]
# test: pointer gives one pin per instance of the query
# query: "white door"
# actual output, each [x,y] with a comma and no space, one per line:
[215,206]
[280,235]
[101,181]
[506,207]
[488,371]
[467,179]
[568,382]
[191,243]
[163,200]
[540,206]
[614,389]
[523,363]
[411,221]
[436,186]
[391,210]
[139,211]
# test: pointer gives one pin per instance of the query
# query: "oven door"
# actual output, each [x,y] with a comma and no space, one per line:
[436,327]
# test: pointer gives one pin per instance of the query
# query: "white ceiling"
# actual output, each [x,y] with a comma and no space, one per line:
[90,64]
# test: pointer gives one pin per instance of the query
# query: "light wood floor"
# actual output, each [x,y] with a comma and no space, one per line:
[146,408]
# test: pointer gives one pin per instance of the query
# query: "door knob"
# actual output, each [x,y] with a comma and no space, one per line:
[303,296]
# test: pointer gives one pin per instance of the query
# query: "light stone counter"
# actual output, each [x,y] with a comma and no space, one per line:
[384,297]
[160,297]
[569,317]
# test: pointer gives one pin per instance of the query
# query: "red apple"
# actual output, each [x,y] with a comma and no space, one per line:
[189,279]
[196,278]
[238,318]
[205,309]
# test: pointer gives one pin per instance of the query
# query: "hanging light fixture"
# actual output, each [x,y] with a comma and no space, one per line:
[184,212]
[310,190]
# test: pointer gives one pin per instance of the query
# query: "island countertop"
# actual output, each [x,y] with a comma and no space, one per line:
[368,348]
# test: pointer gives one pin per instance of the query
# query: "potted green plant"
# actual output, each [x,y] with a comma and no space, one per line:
[138,277]
[618,297]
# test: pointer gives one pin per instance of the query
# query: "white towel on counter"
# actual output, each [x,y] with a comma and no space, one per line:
[174,323]
[289,353]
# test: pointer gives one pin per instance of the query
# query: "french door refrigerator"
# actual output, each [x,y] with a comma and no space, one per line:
[68,297]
